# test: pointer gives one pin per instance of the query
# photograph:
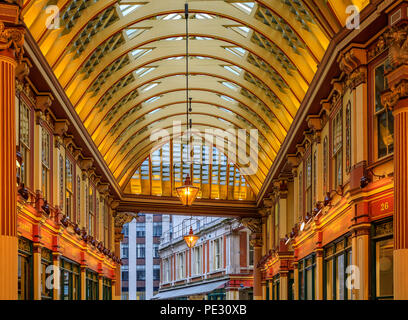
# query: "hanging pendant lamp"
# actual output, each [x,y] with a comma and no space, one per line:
[187,193]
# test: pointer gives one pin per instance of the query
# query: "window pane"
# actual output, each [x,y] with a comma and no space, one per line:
[384,268]
[340,277]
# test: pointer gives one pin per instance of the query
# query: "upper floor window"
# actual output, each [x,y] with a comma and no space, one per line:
[338,148]
[156,251]
[78,215]
[45,163]
[69,188]
[197,260]
[309,184]
[156,273]
[384,118]
[91,213]
[217,254]
[61,182]
[25,136]
[157,229]
[140,230]
[348,137]
[140,250]
[251,255]
[300,193]
[106,222]
[276,225]
[167,270]
[181,263]
[325,165]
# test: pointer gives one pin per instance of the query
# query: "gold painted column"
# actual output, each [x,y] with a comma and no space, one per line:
[56,294]
[256,242]
[37,270]
[284,286]
[118,283]
[360,244]
[100,286]
[397,99]
[83,281]
[319,274]
[11,46]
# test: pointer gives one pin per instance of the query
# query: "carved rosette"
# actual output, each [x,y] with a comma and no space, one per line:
[12,38]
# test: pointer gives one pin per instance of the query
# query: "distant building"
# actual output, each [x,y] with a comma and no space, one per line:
[140,256]
[218,267]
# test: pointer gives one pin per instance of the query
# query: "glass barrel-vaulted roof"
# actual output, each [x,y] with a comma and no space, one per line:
[122,65]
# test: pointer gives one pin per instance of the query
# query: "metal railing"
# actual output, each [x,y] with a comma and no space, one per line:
[177,232]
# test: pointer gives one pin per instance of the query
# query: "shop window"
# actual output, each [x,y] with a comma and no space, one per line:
[382,257]
[383,117]
[25,264]
[25,139]
[291,284]
[46,261]
[92,288]
[107,289]
[307,269]
[69,185]
[275,287]
[70,280]
[338,148]
[45,164]
[337,257]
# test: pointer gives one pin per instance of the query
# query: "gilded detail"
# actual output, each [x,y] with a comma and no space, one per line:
[12,38]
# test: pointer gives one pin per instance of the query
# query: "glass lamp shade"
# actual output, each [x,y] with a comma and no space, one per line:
[191,238]
[187,193]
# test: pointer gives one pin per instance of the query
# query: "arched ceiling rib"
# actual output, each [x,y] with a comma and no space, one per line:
[122,64]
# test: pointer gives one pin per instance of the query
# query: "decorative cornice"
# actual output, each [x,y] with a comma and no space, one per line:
[12,38]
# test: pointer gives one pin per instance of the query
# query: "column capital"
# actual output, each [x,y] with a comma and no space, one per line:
[398,87]
[353,62]
[253,224]
[12,37]
[122,218]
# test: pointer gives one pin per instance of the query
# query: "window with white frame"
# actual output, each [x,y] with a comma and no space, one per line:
[217,253]
[181,265]
[338,148]
[69,188]
[45,163]
[197,260]
[25,137]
